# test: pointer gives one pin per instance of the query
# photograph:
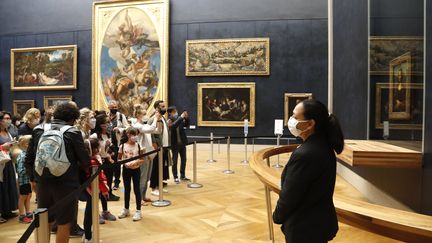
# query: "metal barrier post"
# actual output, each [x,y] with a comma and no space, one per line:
[95,206]
[161,202]
[194,183]
[228,171]
[211,160]
[245,161]
[42,234]
[269,213]
[277,165]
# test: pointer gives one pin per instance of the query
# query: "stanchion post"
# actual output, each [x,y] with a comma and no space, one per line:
[245,161]
[229,171]
[95,206]
[278,165]
[269,213]
[42,234]
[161,202]
[194,183]
[211,160]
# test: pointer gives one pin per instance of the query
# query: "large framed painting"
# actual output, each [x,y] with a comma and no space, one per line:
[383,49]
[227,57]
[226,104]
[20,107]
[44,68]
[130,53]
[290,102]
[52,101]
[415,109]
[400,98]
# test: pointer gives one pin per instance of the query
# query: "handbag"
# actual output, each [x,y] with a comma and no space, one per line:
[4,157]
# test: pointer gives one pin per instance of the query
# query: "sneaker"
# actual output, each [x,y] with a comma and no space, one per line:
[165,190]
[101,220]
[77,232]
[124,213]
[29,215]
[115,187]
[113,197]
[84,240]
[24,220]
[185,179]
[107,215]
[155,192]
[176,180]
[137,215]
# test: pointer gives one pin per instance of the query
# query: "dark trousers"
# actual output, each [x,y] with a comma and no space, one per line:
[154,178]
[116,168]
[109,172]
[134,176]
[175,153]
[88,216]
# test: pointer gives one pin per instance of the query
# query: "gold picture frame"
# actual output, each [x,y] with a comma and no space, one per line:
[44,68]
[226,104]
[228,57]
[400,99]
[130,53]
[289,106]
[21,106]
[379,108]
[50,101]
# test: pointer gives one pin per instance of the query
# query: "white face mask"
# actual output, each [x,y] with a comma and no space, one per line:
[92,123]
[292,126]
[133,138]
[145,119]
[35,122]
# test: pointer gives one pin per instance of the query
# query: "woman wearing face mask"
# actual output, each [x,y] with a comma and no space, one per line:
[305,206]
[145,141]
[31,120]
[8,184]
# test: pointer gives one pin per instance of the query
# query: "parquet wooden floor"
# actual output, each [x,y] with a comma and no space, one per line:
[229,208]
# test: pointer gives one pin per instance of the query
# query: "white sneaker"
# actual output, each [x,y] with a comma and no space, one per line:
[165,190]
[155,193]
[124,213]
[137,215]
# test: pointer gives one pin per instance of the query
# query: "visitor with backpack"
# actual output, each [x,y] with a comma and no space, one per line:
[56,157]
[131,172]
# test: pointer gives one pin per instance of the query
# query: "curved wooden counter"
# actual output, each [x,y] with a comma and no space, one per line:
[390,222]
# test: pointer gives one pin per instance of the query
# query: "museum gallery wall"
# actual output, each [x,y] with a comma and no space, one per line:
[296,62]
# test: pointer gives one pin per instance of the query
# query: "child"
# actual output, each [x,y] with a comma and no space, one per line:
[131,171]
[103,188]
[24,182]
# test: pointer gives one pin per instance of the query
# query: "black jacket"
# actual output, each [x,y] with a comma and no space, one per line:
[75,151]
[305,207]
[178,128]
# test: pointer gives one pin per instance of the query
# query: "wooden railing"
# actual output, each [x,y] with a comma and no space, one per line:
[390,222]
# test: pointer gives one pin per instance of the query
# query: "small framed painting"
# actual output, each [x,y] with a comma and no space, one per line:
[52,101]
[22,106]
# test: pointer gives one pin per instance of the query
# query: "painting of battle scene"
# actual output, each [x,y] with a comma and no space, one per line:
[228,57]
[130,53]
[44,68]
[226,104]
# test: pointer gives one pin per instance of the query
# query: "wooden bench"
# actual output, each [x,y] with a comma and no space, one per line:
[390,222]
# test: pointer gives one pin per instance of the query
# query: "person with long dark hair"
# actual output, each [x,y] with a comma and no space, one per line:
[305,207]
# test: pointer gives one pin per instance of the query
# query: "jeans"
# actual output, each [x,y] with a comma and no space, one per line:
[176,151]
[134,176]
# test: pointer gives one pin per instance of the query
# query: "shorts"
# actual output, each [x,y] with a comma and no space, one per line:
[25,189]
[49,194]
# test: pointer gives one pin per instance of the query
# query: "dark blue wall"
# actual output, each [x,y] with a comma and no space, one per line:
[297,31]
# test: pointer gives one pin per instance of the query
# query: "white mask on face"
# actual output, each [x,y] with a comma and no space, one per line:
[292,126]
[35,122]
[133,138]
[92,123]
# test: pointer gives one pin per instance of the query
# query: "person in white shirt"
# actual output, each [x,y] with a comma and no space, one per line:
[145,141]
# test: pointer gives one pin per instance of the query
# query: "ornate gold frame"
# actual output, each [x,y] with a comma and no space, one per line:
[378,123]
[286,102]
[98,100]
[57,97]
[405,115]
[240,73]
[15,104]
[47,48]
[202,123]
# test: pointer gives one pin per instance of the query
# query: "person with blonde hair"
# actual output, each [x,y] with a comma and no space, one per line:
[25,190]
[86,122]
[31,120]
